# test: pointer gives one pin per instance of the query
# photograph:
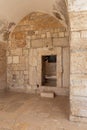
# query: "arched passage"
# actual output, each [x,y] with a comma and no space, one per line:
[37,36]
[45,35]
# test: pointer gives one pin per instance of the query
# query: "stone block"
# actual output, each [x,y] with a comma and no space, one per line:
[25,72]
[32,76]
[7,53]
[25,52]
[22,60]
[9,59]
[77,5]
[78,20]
[79,62]
[75,35]
[78,106]
[47,42]
[37,43]
[48,34]
[84,34]
[28,43]
[15,59]
[79,43]
[43,36]
[36,32]
[21,67]
[16,52]
[55,35]
[60,42]
[19,35]
[47,94]
[78,85]
[33,57]
[66,66]
[61,34]
[27,62]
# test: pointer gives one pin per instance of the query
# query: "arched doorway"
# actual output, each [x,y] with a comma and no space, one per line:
[39,36]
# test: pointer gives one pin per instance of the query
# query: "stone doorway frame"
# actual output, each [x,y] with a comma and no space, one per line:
[46,51]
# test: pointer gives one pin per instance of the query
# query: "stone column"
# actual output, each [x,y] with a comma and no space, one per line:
[78,65]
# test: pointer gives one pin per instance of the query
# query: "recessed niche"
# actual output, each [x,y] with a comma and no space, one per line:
[49,70]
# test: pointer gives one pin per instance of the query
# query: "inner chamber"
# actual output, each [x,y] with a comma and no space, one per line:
[49,70]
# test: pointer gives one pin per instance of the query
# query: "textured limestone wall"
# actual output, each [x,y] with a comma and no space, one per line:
[2,66]
[78,72]
[36,35]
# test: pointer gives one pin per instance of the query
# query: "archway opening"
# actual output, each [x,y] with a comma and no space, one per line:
[39,36]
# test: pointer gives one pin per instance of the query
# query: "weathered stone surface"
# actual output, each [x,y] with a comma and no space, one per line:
[60,42]
[16,52]
[76,5]
[25,52]
[66,67]
[79,84]
[19,35]
[79,62]
[79,106]
[84,34]
[30,40]
[40,34]
[61,34]
[75,35]
[33,57]
[37,43]
[78,18]
[2,65]
[78,59]
[32,76]
[47,94]
[78,43]
[15,59]
[9,60]
[47,42]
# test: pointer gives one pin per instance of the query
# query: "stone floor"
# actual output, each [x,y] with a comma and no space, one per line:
[31,112]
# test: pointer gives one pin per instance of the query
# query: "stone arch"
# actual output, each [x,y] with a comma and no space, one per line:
[38,34]
[36,21]
[33,27]
[60,11]
[18,47]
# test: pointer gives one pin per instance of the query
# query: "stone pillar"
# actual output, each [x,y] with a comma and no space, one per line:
[78,65]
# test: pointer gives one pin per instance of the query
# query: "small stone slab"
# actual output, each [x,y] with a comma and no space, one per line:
[47,94]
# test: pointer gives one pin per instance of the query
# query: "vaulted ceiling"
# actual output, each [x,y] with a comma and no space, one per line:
[14,10]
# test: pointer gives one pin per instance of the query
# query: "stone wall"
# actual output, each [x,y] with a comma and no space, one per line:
[78,72]
[2,66]
[36,35]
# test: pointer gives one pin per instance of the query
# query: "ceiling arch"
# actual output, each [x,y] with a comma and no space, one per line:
[13,11]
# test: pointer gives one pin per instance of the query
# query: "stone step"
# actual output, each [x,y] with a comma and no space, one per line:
[47,94]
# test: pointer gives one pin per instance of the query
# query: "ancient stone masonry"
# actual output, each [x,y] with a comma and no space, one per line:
[36,35]
[61,34]
[5,29]
[78,49]
[2,66]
